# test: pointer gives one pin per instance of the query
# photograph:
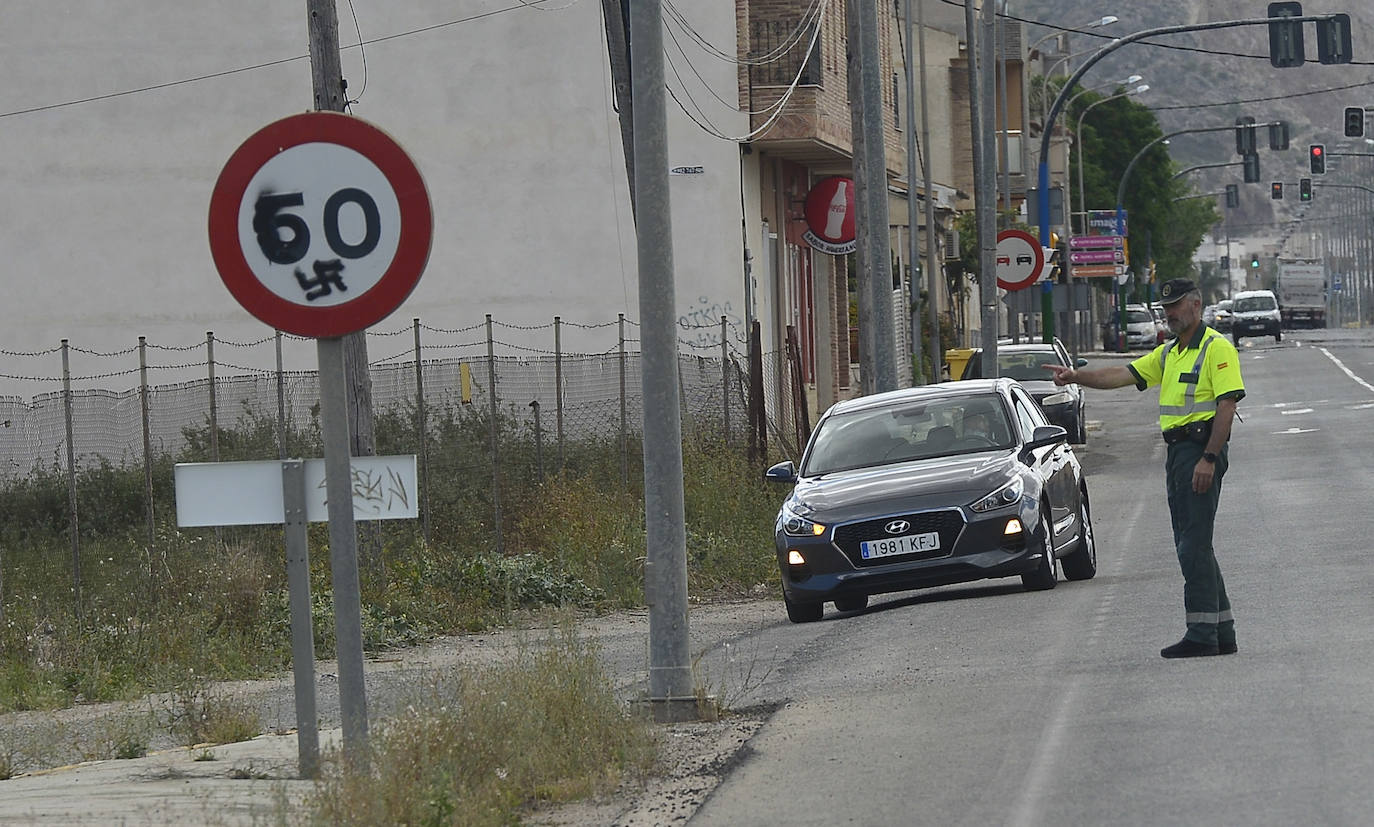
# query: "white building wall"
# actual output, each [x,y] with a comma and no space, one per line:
[505,108]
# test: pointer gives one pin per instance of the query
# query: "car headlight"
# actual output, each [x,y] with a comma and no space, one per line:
[1002,497]
[795,525]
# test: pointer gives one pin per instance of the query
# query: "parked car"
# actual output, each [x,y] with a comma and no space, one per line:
[1141,329]
[1222,316]
[919,487]
[1162,333]
[1255,313]
[1026,364]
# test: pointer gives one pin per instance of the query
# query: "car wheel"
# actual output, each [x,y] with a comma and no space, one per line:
[851,604]
[802,612]
[1043,576]
[1082,563]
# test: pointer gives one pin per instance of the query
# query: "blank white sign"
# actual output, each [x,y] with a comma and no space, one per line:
[250,493]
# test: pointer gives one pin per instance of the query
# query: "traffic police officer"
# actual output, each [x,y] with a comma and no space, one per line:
[1198,374]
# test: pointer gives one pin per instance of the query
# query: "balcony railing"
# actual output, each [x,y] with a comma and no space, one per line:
[785,48]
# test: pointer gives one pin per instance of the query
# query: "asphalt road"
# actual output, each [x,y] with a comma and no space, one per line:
[986,704]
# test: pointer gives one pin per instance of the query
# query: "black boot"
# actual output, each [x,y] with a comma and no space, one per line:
[1189,649]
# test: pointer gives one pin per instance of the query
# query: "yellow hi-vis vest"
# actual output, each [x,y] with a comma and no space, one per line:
[1191,378]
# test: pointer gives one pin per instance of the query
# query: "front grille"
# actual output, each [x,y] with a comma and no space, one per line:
[948,523]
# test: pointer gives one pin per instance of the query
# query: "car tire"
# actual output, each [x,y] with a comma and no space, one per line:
[1081,564]
[852,604]
[802,612]
[1043,576]
[1080,429]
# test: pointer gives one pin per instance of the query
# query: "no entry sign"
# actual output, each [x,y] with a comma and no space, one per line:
[320,225]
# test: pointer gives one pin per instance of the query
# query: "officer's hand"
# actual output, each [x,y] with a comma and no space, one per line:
[1202,476]
[1061,374]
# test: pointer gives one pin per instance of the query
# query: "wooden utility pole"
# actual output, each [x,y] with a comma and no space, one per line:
[326,75]
[618,47]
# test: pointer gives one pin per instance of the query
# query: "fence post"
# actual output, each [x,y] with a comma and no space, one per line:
[214,406]
[558,384]
[147,449]
[725,379]
[624,437]
[538,441]
[422,430]
[281,403]
[495,447]
[72,524]
[758,414]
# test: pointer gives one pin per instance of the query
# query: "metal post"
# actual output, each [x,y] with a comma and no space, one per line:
[724,379]
[932,254]
[538,441]
[495,441]
[558,385]
[147,448]
[624,436]
[214,403]
[302,630]
[281,401]
[912,220]
[343,549]
[665,567]
[422,434]
[72,523]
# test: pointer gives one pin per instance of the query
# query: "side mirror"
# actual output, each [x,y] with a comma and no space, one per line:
[1045,435]
[1057,398]
[787,471]
[1081,363]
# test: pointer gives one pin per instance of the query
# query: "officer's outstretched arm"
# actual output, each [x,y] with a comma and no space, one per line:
[1114,376]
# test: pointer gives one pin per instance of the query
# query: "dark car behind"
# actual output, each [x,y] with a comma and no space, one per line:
[1026,364]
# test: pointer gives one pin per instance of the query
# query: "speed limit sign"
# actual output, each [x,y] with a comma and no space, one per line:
[320,225]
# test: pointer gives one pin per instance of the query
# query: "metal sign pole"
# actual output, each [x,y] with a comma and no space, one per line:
[302,631]
[343,547]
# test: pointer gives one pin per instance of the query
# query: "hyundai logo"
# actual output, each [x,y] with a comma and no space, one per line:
[897,527]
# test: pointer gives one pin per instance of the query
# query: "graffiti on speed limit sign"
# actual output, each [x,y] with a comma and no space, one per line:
[320,225]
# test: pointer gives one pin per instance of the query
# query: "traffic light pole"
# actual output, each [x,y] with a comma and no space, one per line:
[1047,131]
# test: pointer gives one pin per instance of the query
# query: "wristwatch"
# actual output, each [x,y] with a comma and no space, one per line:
[1210,457]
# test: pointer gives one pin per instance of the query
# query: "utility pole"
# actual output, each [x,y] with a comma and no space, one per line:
[913,233]
[979,37]
[342,358]
[665,567]
[933,274]
[874,256]
[618,45]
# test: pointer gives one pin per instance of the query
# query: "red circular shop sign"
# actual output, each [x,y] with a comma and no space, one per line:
[320,225]
[830,216]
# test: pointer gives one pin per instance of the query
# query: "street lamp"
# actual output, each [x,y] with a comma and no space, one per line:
[1078,132]
[1103,21]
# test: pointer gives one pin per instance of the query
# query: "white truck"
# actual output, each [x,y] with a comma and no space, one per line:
[1302,293]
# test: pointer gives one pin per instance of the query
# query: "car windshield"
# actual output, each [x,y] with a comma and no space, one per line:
[1253,303]
[1138,316]
[919,429]
[1224,306]
[1027,366]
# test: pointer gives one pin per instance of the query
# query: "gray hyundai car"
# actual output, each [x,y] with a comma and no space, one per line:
[921,487]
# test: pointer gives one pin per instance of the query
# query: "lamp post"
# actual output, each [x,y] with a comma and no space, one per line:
[1082,199]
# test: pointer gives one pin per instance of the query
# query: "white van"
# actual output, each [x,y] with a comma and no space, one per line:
[1255,313]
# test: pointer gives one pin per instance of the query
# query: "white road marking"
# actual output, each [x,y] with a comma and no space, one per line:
[1296,411]
[1297,431]
[1347,371]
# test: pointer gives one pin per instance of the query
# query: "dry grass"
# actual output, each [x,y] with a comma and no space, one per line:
[545,727]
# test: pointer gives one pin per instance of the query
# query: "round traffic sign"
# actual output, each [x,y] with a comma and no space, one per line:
[1020,259]
[320,224]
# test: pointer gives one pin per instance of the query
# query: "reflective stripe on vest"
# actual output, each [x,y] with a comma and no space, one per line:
[1190,404]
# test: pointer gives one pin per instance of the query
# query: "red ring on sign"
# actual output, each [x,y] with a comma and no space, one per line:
[412,248]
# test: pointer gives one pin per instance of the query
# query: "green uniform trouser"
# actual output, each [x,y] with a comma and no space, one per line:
[1207,609]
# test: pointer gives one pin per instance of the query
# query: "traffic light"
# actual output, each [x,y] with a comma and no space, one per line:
[1276,190]
[1285,37]
[1333,39]
[1305,189]
[1232,196]
[1278,135]
[1254,262]
[1354,122]
[1316,155]
[1245,135]
[1252,170]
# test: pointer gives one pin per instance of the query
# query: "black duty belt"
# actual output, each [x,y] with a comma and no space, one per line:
[1198,432]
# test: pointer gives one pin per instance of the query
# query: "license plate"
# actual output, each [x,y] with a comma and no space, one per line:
[893,546]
